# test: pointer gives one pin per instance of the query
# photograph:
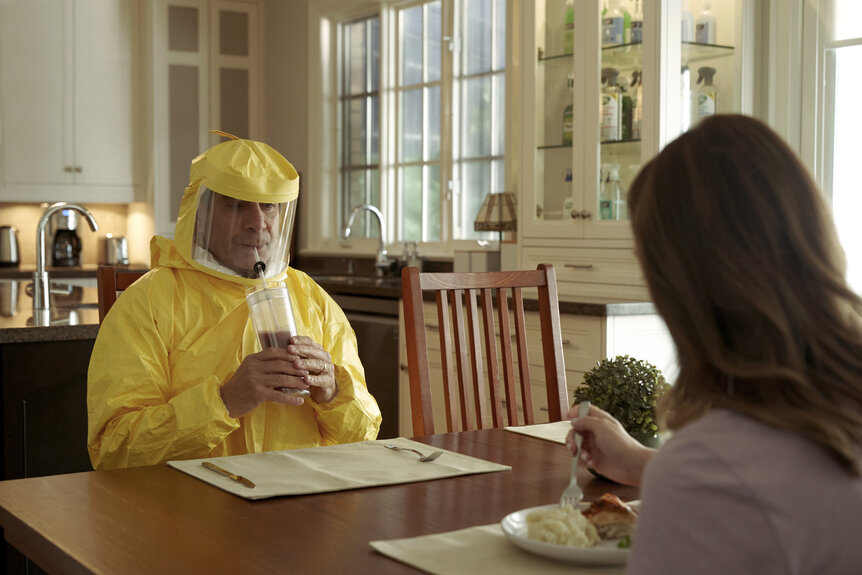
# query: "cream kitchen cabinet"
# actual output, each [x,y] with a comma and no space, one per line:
[68,79]
[206,71]
[624,329]
[573,148]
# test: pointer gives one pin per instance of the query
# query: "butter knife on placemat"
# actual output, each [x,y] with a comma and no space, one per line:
[238,478]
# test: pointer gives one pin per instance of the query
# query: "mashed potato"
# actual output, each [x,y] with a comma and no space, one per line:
[562,525]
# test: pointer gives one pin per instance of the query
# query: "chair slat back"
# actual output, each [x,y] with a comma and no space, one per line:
[111,281]
[487,373]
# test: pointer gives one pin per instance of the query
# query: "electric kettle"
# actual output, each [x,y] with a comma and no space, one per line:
[9,254]
[115,251]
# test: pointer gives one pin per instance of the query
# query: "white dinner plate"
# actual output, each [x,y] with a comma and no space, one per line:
[604,553]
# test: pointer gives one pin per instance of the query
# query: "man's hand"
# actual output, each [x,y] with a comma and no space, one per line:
[258,378]
[317,363]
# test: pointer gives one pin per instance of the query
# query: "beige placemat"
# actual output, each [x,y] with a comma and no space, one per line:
[555,432]
[333,468]
[481,550]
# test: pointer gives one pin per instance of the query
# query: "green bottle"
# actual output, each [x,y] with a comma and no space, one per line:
[569,27]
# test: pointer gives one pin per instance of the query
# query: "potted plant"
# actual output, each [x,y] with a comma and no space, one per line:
[628,389]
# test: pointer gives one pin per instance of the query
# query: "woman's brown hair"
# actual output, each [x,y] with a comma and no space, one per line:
[743,263]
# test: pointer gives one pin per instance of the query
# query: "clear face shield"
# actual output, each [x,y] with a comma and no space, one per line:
[232,235]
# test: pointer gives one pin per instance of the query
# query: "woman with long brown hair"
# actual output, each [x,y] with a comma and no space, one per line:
[742,261]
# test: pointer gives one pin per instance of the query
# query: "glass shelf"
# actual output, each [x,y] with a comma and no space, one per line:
[631,55]
[620,142]
[554,147]
[547,57]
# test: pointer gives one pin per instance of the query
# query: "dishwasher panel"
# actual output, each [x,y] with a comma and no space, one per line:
[377,339]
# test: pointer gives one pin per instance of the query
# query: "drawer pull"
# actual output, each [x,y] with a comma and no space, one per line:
[580,266]
[586,215]
[565,342]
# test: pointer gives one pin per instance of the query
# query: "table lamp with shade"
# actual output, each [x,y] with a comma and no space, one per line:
[499,213]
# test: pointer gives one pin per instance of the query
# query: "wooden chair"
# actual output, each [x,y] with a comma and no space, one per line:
[468,397]
[111,281]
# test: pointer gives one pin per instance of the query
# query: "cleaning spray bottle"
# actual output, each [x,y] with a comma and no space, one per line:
[637,105]
[606,203]
[616,193]
[611,113]
[626,108]
[707,96]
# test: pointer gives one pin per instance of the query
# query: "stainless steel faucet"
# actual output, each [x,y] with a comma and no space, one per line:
[41,287]
[382,261]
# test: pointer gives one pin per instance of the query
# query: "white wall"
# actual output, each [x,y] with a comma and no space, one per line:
[286,56]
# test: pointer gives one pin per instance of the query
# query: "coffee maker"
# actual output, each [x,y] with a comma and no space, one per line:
[66,250]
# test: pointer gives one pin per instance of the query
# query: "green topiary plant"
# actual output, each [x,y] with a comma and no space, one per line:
[628,389]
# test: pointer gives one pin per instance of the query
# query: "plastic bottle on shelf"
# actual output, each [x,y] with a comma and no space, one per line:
[626,108]
[707,95]
[687,32]
[627,25]
[637,104]
[637,25]
[569,28]
[704,28]
[568,201]
[613,23]
[611,113]
[685,99]
[568,113]
[616,193]
[606,202]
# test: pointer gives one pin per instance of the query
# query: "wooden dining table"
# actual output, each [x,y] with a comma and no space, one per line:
[157,520]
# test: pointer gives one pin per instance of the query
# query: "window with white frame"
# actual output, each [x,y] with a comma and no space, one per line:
[359,110]
[842,58]
[421,118]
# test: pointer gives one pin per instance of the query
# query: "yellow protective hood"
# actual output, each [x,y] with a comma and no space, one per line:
[243,169]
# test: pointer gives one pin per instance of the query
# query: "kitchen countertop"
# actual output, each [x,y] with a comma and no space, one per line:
[74,314]
[25,271]
[390,287]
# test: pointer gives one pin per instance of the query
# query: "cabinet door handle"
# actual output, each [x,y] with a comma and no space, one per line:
[576,214]
[580,266]
[586,215]
[68,169]
[78,169]
[403,367]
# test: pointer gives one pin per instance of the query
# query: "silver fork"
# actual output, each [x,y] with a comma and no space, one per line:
[573,493]
[422,457]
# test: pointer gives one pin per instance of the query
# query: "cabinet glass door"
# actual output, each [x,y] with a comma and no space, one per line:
[708,71]
[621,106]
[554,110]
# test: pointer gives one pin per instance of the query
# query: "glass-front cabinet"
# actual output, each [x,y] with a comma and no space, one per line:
[607,83]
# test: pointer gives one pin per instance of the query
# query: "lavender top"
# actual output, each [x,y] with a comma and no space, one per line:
[727,494]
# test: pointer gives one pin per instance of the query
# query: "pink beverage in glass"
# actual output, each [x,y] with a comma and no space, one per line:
[274,339]
[272,316]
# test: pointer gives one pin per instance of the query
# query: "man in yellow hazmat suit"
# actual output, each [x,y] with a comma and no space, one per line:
[177,371]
